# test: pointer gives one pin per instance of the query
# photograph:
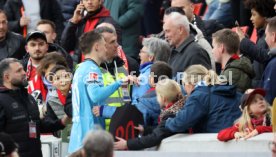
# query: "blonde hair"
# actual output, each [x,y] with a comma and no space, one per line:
[273,115]
[196,73]
[168,89]
[245,120]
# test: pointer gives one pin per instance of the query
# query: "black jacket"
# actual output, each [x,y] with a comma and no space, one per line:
[49,9]
[188,53]
[17,109]
[150,140]
[258,53]
[13,46]
[72,32]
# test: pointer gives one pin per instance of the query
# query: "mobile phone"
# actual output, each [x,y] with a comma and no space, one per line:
[82,11]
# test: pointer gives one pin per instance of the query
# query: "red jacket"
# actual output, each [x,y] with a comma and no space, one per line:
[228,133]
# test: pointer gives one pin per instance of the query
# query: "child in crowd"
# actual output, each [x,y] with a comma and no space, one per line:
[148,104]
[255,119]
[170,99]
[59,103]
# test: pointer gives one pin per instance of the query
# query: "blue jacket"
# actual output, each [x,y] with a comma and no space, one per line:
[139,91]
[207,110]
[269,77]
[149,107]
[87,91]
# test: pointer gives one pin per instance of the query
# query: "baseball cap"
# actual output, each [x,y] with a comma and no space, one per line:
[36,35]
[7,144]
[247,97]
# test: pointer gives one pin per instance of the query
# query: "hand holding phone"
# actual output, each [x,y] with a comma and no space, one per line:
[78,13]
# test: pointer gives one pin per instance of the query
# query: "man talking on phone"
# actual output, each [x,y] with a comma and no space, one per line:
[87,15]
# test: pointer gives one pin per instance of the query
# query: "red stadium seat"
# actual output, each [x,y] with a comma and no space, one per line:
[197,8]
[253,37]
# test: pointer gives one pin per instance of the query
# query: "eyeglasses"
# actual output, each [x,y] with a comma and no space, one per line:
[272,145]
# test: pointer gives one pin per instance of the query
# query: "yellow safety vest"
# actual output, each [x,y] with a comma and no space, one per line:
[116,99]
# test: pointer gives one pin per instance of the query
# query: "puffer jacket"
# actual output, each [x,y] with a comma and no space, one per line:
[239,72]
[207,110]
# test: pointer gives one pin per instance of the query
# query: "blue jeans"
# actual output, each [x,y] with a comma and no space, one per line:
[221,12]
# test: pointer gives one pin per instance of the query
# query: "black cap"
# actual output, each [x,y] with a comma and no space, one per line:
[247,97]
[36,35]
[7,144]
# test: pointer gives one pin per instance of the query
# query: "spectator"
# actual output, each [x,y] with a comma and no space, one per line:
[44,73]
[255,119]
[171,101]
[8,148]
[11,44]
[185,51]
[258,53]
[188,8]
[88,88]
[128,14]
[148,104]
[59,100]
[87,15]
[24,124]
[201,111]
[37,47]
[196,32]
[237,70]
[23,15]
[96,144]
[153,49]
[49,29]
[269,77]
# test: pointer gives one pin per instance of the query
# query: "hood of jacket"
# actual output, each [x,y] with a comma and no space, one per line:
[243,64]
[223,90]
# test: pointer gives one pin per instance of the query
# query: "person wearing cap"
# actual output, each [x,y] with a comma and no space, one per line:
[36,47]
[11,44]
[255,119]
[8,147]
[19,114]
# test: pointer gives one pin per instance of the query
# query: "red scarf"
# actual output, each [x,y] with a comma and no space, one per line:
[61,97]
[122,55]
[93,21]
[35,83]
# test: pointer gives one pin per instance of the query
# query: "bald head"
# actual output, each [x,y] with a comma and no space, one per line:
[186,5]
[109,25]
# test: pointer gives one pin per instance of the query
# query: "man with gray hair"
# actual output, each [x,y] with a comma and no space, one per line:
[185,51]
[97,143]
